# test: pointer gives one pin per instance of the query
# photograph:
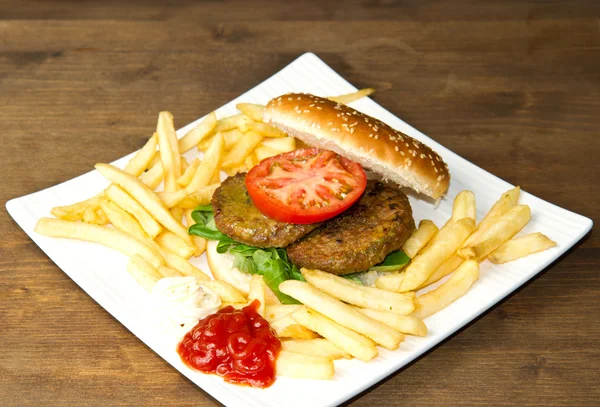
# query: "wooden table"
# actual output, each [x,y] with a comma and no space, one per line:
[512,86]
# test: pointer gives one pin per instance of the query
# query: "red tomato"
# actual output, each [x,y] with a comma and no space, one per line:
[308,185]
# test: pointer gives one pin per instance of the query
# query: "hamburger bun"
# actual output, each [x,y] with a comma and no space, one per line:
[389,153]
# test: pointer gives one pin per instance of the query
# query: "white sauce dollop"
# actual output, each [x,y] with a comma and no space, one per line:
[181,302]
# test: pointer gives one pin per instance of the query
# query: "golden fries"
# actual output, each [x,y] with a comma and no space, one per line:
[125,222]
[266,130]
[257,292]
[154,176]
[365,297]
[76,210]
[275,312]
[133,207]
[202,196]
[343,314]
[112,238]
[240,151]
[209,165]
[349,341]
[169,150]
[199,242]
[283,145]
[507,201]
[351,97]
[444,245]
[225,291]
[302,366]
[198,133]
[253,111]
[188,174]
[315,347]
[143,272]
[172,199]
[521,247]
[456,286]
[446,268]
[464,206]
[182,265]
[146,197]
[287,327]
[140,160]
[171,242]
[407,324]
[501,231]
[420,237]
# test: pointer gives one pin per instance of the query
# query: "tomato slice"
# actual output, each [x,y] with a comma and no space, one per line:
[308,185]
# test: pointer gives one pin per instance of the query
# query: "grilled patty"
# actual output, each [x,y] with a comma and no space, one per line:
[237,217]
[379,223]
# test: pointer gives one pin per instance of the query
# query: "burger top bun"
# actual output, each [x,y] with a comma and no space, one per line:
[333,126]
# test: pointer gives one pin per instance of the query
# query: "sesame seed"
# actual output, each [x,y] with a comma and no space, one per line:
[296,107]
[306,111]
[371,151]
[334,129]
[407,145]
[299,98]
[430,156]
[290,98]
[319,108]
[436,170]
[351,130]
[397,149]
[423,155]
[376,136]
[371,135]
[440,178]
[311,105]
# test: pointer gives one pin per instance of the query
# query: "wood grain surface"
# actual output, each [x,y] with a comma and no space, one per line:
[512,86]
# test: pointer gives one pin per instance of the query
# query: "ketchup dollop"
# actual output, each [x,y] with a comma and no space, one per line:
[238,345]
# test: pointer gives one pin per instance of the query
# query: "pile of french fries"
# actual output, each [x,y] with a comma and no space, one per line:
[338,318]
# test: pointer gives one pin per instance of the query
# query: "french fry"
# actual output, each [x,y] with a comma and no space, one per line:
[240,151]
[283,144]
[521,247]
[253,111]
[349,341]
[109,237]
[287,327]
[75,211]
[257,292]
[143,272]
[126,223]
[351,97]
[262,152]
[315,347]
[133,207]
[407,324]
[209,165]
[144,196]
[390,281]
[444,245]
[446,268]
[353,293]
[202,196]
[507,201]
[169,241]
[182,265]
[198,133]
[177,213]
[231,122]
[464,206]
[266,130]
[500,232]
[205,144]
[187,176]
[89,216]
[342,313]
[231,138]
[231,171]
[172,199]
[302,366]
[250,161]
[420,237]
[199,242]
[140,160]
[154,176]
[216,178]
[102,218]
[270,297]
[275,312]
[225,291]
[456,286]
[169,150]
[168,272]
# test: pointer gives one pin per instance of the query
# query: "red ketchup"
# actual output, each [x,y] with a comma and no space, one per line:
[238,345]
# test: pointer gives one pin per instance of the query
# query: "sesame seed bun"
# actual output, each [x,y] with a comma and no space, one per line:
[375,145]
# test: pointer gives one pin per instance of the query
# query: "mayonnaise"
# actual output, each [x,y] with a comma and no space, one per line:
[181,302]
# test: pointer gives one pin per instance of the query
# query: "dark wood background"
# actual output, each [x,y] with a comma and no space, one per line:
[511,85]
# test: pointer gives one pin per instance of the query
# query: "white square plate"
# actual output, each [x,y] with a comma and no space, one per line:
[101,272]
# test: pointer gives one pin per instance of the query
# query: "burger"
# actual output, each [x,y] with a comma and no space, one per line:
[315,207]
